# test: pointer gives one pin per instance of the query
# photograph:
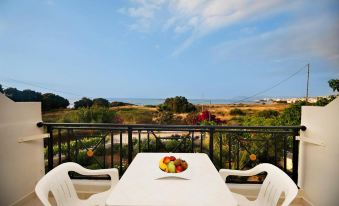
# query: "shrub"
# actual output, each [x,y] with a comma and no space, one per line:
[119,104]
[192,118]
[177,104]
[84,102]
[164,117]
[237,111]
[92,115]
[100,102]
[268,113]
[150,106]
[292,114]
[323,101]
[207,118]
[134,115]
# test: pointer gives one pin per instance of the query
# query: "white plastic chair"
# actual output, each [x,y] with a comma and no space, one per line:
[59,183]
[275,183]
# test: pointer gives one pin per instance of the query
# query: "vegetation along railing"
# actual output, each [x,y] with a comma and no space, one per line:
[114,145]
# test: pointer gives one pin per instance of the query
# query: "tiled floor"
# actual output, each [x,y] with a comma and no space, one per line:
[35,202]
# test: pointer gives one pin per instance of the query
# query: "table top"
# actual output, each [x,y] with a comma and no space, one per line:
[140,184]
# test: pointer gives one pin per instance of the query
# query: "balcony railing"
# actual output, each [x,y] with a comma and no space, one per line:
[100,145]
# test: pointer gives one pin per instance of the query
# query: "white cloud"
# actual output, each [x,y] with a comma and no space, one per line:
[314,37]
[201,17]
[198,18]
[144,12]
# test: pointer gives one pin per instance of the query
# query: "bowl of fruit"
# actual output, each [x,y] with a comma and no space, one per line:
[171,166]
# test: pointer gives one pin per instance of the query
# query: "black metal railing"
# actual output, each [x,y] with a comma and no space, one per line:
[101,145]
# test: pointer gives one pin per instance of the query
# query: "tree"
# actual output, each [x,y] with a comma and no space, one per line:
[84,102]
[334,84]
[52,101]
[1,89]
[23,96]
[177,104]
[100,102]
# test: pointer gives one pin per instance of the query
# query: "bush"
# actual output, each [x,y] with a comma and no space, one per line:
[323,101]
[150,106]
[192,118]
[164,117]
[177,104]
[292,114]
[92,115]
[237,111]
[268,113]
[134,115]
[100,102]
[84,102]
[119,104]
[207,118]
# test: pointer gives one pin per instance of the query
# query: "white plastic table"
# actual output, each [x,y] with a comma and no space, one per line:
[140,186]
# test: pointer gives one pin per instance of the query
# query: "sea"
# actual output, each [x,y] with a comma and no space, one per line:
[150,101]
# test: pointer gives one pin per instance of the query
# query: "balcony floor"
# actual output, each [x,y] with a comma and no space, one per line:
[34,201]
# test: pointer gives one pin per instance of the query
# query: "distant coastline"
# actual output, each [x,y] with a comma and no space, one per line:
[151,101]
[157,101]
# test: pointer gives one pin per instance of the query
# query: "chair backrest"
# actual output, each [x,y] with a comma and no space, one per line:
[59,183]
[276,183]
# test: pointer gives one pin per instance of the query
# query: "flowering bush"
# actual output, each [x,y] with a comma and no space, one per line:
[204,118]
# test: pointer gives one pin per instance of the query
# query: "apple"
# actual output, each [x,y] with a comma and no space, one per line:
[171,167]
[167,159]
[184,165]
[179,169]
[177,162]
[172,158]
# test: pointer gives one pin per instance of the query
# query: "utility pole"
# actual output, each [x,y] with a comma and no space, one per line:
[308,81]
[209,113]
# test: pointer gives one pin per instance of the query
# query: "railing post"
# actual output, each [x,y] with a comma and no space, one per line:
[295,148]
[211,143]
[130,145]
[50,148]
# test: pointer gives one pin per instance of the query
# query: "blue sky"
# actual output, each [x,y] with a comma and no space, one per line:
[161,48]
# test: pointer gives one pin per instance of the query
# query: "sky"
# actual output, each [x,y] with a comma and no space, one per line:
[210,49]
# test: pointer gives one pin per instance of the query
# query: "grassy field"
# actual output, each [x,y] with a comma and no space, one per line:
[147,115]
[222,111]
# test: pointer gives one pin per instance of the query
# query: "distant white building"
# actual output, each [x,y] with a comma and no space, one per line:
[296,99]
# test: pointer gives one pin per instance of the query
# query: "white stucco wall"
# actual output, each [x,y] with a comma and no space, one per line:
[22,164]
[319,154]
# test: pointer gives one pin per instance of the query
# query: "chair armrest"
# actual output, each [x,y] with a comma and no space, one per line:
[112,172]
[224,173]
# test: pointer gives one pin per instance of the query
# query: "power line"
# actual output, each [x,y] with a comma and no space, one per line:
[42,87]
[272,87]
